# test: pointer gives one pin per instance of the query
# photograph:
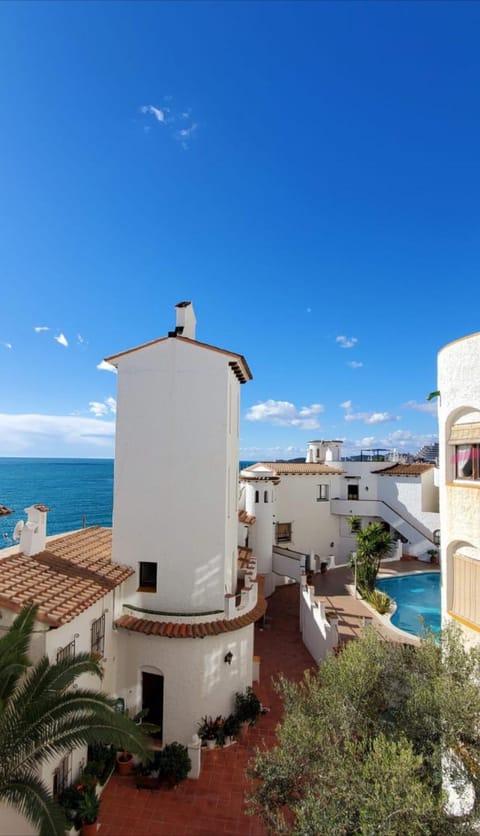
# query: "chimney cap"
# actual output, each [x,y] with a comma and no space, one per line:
[182,304]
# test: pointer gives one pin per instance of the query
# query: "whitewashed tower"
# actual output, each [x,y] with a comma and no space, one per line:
[176,523]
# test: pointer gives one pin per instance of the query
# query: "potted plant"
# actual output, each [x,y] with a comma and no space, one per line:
[208,730]
[87,811]
[174,764]
[247,706]
[124,757]
[231,727]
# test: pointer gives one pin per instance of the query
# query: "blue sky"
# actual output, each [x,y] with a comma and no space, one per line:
[306,173]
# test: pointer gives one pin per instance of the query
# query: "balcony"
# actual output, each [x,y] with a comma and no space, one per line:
[355,507]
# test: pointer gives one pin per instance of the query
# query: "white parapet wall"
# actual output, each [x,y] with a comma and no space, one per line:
[319,635]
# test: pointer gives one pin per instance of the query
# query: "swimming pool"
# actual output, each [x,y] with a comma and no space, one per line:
[418,601]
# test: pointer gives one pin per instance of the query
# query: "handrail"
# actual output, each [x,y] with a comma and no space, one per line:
[395,511]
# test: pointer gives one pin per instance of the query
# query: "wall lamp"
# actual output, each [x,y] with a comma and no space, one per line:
[228,658]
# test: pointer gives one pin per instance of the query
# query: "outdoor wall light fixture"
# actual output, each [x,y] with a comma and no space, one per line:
[228,658]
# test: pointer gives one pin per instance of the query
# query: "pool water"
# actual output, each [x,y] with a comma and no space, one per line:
[418,601]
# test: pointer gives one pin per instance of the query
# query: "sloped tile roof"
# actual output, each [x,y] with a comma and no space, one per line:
[293,468]
[170,630]
[73,573]
[238,363]
[404,470]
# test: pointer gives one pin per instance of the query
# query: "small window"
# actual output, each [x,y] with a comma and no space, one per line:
[97,643]
[283,532]
[265,496]
[467,461]
[436,537]
[61,776]
[352,492]
[257,497]
[67,652]
[148,577]
[322,493]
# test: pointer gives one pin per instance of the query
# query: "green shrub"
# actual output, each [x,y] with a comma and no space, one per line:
[247,707]
[379,601]
[174,763]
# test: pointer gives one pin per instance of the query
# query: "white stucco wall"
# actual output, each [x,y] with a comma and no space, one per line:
[459,402]
[197,681]
[313,527]
[176,467]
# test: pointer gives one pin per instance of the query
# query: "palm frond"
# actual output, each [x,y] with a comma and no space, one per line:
[29,796]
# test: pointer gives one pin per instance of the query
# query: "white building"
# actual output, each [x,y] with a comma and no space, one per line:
[459,424]
[171,603]
[304,509]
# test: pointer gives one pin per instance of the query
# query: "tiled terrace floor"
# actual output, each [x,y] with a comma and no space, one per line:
[332,589]
[214,804]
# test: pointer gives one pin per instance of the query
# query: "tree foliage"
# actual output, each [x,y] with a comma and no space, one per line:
[374,543]
[360,747]
[42,717]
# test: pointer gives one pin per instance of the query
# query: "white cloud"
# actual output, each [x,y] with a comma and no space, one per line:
[285,414]
[430,406]
[405,440]
[80,339]
[155,111]
[7,345]
[101,408]
[346,342]
[106,367]
[184,135]
[29,431]
[367,417]
[39,328]
[371,417]
[62,340]
[354,364]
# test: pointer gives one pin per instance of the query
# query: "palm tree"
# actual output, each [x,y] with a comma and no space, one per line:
[41,717]
[373,544]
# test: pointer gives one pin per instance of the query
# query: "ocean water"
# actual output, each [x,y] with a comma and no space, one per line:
[73,489]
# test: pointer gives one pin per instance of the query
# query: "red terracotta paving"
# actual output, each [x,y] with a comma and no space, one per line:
[214,804]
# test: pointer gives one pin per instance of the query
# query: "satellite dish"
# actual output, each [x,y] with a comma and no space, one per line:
[18,530]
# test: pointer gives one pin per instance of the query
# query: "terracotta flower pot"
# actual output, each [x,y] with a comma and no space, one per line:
[124,767]
[89,829]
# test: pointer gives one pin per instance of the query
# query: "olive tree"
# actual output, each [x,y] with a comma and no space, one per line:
[359,750]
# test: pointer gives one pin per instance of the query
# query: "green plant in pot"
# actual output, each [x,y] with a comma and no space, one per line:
[88,808]
[124,757]
[209,729]
[231,727]
[247,707]
[174,763]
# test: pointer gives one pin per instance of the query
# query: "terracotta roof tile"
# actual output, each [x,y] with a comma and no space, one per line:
[404,470]
[192,631]
[291,469]
[74,572]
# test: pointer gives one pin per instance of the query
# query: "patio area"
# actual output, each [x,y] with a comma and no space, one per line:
[215,803]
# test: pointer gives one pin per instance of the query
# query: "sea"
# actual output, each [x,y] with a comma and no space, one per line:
[78,492]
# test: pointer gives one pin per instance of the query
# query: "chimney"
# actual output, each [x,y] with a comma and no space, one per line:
[34,533]
[186,321]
